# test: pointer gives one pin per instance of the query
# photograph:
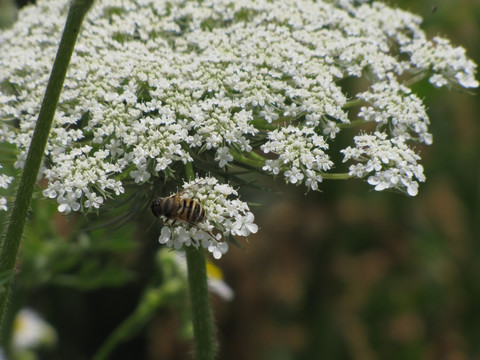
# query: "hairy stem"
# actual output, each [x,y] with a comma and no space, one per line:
[13,235]
[203,329]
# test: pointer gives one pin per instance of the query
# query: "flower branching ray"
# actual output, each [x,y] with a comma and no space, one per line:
[155,85]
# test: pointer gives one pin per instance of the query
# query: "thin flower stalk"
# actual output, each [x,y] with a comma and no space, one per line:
[34,150]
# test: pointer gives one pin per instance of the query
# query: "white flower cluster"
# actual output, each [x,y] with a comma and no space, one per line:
[394,107]
[450,66]
[300,153]
[388,162]
[155,84]
[224,217]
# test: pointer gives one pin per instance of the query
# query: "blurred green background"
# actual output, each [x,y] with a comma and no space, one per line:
[347,273]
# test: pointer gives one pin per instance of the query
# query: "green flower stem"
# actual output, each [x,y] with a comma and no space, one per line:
[352,103]
[253,155]
[152,300]
[13,235]
[255,161]
[203,329]
[258,161]
[263,125]
[337,176]
[189,171]
[354,124]
[416,79]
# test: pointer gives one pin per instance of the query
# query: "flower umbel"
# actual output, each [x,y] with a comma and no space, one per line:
[154,85]
[223,217]
[388,163]
[300,155]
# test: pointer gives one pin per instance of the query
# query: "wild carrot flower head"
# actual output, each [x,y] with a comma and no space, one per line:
[154,85]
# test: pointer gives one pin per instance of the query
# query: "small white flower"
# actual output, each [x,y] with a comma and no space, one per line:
[3,204]
[223,156]
[294,175]
[93,200]
[68,202]
[331,130]
[438,80]
[244,225]
[412,188]
[162,163]
[140,175]
[313,179]
[5,180]
[49,193]
[180,237]
[30,331]
[165,235]
[218,249]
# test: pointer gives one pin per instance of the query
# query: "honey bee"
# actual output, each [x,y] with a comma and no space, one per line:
[177,209]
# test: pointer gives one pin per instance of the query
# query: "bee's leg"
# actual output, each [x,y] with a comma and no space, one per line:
[191,223]
[211,235]
[214,238]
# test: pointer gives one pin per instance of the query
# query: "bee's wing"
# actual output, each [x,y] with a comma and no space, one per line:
[188,187]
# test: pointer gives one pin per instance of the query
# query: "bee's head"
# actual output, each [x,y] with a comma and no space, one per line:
[156,207]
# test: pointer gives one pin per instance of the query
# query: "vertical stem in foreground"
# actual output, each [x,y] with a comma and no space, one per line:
[11,240]
[203,329]
[200,302]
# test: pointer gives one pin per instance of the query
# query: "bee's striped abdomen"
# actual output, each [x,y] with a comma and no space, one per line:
[177,209]
[191,211]
[198,213]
